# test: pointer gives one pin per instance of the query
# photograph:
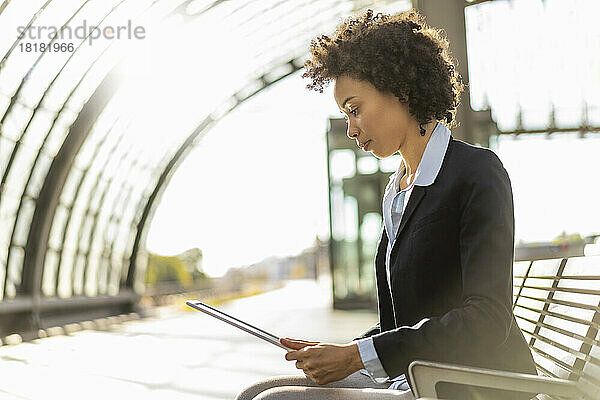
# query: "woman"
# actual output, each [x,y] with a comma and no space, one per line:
[444,261]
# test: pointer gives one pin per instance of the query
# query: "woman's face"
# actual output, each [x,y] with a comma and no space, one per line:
[378,121]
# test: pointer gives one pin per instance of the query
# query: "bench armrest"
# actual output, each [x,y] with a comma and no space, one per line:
[426,374]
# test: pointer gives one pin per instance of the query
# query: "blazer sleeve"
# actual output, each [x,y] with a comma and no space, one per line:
[486,241]
[375,329]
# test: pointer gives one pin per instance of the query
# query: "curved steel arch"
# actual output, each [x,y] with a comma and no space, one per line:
[29,24]
[68,219]
[236,99]
[36,108]
[28,301]
[141,204]
[37,240]
[183,151]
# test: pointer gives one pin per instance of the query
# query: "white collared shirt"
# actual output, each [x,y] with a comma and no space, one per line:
[394,204]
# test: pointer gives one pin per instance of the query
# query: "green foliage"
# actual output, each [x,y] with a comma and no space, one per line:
[565,238]
[184,268]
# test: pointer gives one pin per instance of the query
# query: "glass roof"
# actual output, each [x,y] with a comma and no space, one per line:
[175,67]
[535,56]
[162,72]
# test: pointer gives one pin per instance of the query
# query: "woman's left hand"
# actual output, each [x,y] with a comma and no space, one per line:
[322,362]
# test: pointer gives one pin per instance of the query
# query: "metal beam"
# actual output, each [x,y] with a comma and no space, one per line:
[15,314]
[37,240]
[450,15]
[475,2]
[150,206]
[582,130]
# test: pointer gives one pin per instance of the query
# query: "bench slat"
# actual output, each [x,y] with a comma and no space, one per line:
[563,302]
[556,278]
[565,289]
[559,345]
[557,306]
[545,372]
[562,316]
[566,367]
[567,333]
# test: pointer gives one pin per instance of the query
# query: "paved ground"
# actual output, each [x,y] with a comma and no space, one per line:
[179,354]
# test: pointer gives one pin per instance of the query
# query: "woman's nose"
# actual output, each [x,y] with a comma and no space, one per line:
[351,130]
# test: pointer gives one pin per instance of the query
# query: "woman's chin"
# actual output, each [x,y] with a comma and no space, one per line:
[381,155]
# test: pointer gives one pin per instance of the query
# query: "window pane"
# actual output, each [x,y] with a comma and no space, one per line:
[15,122]
[65,275]
[6,148]
[78,275]
[20,169]
[24,222]
[49,274]
[102,272]
[40,171]
[55,240]
[38,128]
[73,180]
[3,257]
[15,268]
[13,16]
[4,102]
[6,227]
[112,278]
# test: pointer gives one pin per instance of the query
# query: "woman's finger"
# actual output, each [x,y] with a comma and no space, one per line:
[292,345]
[301,341]
[300,365]
[296,344]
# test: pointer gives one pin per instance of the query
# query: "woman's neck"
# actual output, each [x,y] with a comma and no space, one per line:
[413,149]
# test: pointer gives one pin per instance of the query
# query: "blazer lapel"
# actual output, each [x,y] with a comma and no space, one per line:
[416,196]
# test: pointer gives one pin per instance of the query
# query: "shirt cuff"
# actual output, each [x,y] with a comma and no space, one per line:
[370,360]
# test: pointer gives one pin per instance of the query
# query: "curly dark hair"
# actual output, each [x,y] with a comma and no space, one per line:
[395,53]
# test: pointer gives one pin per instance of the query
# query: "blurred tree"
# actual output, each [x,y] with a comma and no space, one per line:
[192,258]
[565,238]
[184,269]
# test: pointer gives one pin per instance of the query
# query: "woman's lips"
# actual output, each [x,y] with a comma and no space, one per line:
[366,145]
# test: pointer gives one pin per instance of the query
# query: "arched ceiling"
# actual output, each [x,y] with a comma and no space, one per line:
[92,128]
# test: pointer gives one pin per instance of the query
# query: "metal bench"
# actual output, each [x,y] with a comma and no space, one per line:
[557,306]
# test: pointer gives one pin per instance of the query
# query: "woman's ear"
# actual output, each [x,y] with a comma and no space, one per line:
[403,98]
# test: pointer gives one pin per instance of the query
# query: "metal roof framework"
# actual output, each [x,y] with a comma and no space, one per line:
[82,168]
[85,155]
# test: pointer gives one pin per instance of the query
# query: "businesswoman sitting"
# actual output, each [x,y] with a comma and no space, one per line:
[444,261]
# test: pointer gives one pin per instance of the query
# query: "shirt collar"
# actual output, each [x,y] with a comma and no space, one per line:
[432,159]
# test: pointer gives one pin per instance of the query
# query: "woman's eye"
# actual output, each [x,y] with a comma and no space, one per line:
[353,112]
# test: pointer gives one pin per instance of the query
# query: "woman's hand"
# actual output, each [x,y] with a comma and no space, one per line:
[323,362]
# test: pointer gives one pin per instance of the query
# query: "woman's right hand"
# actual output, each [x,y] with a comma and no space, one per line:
[323,362]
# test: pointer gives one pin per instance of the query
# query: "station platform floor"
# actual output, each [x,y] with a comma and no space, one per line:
[179,353]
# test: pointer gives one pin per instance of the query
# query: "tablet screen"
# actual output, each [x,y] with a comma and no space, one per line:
[246,327]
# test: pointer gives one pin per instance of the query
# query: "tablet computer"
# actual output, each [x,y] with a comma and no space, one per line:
[246,327]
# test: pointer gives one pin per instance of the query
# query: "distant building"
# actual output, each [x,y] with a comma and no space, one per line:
[562,247]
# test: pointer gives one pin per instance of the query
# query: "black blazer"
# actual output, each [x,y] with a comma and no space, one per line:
[452,263]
